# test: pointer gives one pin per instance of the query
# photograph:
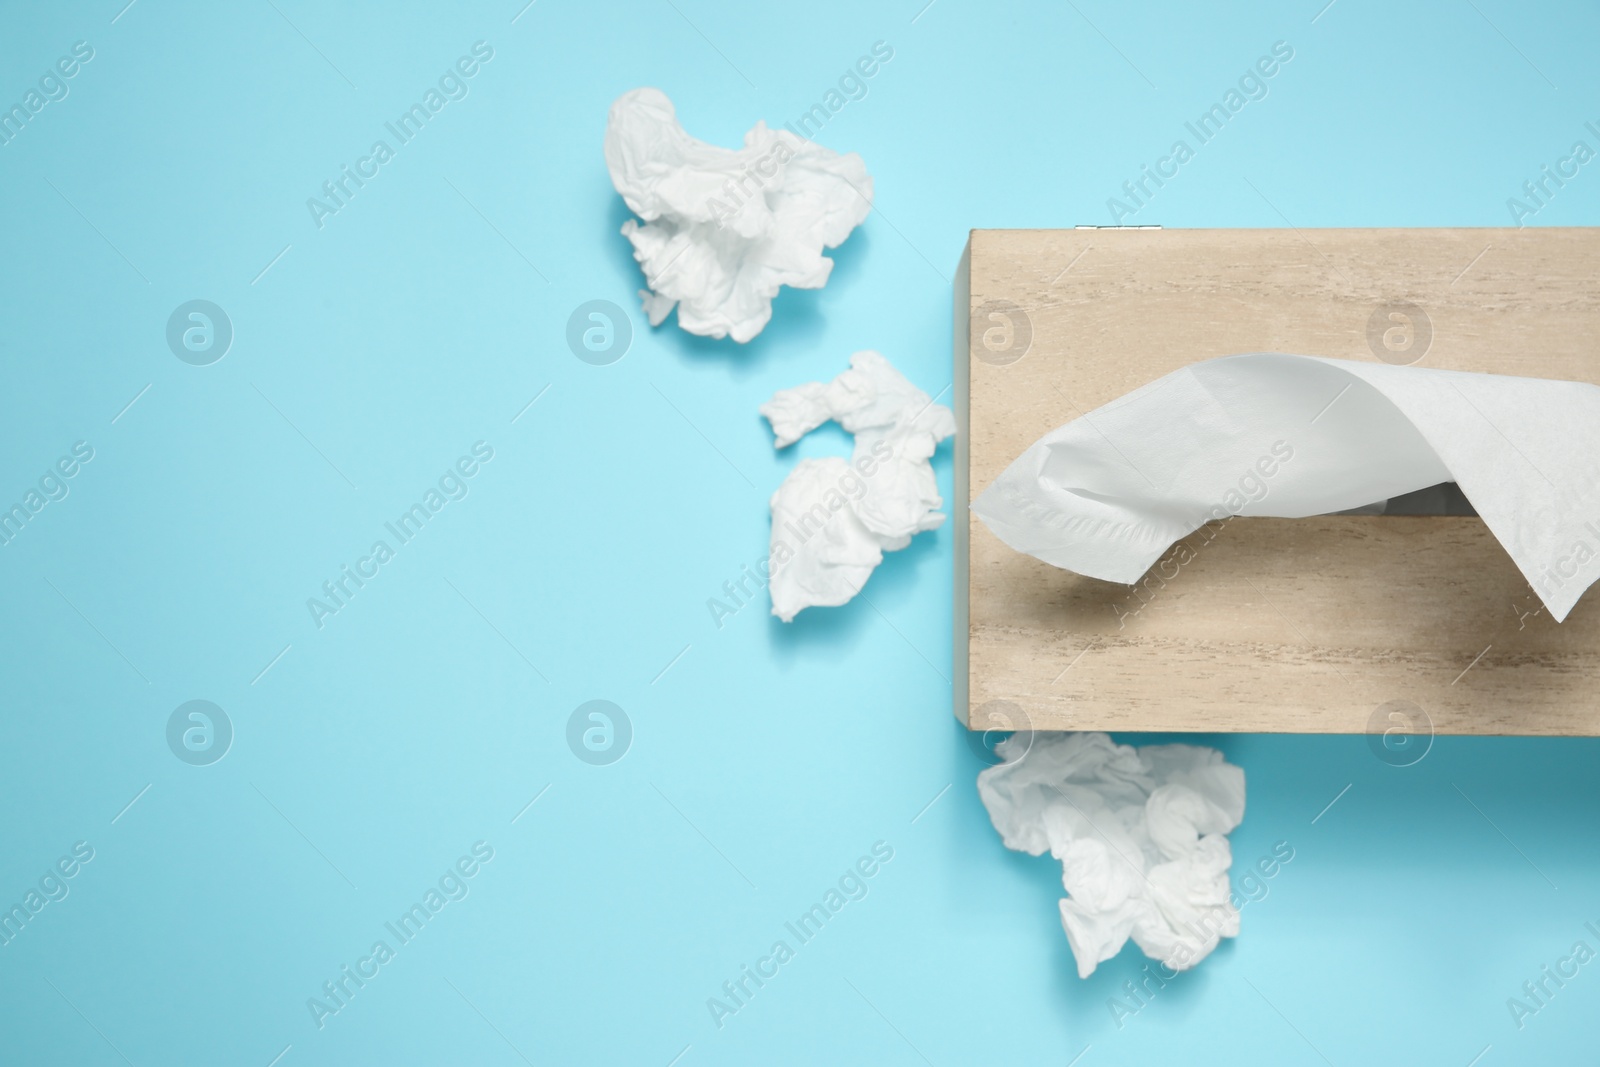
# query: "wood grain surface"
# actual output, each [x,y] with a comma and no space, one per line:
[1339,624]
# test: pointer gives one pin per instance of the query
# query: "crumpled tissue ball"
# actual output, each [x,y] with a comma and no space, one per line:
[725,228]
[833,519]
[1141,834]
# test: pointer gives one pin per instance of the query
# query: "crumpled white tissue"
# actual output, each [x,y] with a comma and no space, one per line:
[1273,434]
[724,228]
[833,519]
[1141,834]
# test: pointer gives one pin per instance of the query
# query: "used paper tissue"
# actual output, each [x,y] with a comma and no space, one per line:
[724,228]
[1141,834]
[1292,436]
[832,519]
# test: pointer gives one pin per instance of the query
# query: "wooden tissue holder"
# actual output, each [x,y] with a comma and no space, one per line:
[1320,625]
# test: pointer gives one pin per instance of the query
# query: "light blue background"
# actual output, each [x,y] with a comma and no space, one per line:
[376,750]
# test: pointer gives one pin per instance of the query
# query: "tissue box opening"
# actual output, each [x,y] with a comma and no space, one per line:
[1446,498]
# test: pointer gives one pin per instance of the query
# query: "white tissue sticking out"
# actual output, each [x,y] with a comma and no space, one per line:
[1141,834]
[833,520]
[724,228]
[1270,434]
